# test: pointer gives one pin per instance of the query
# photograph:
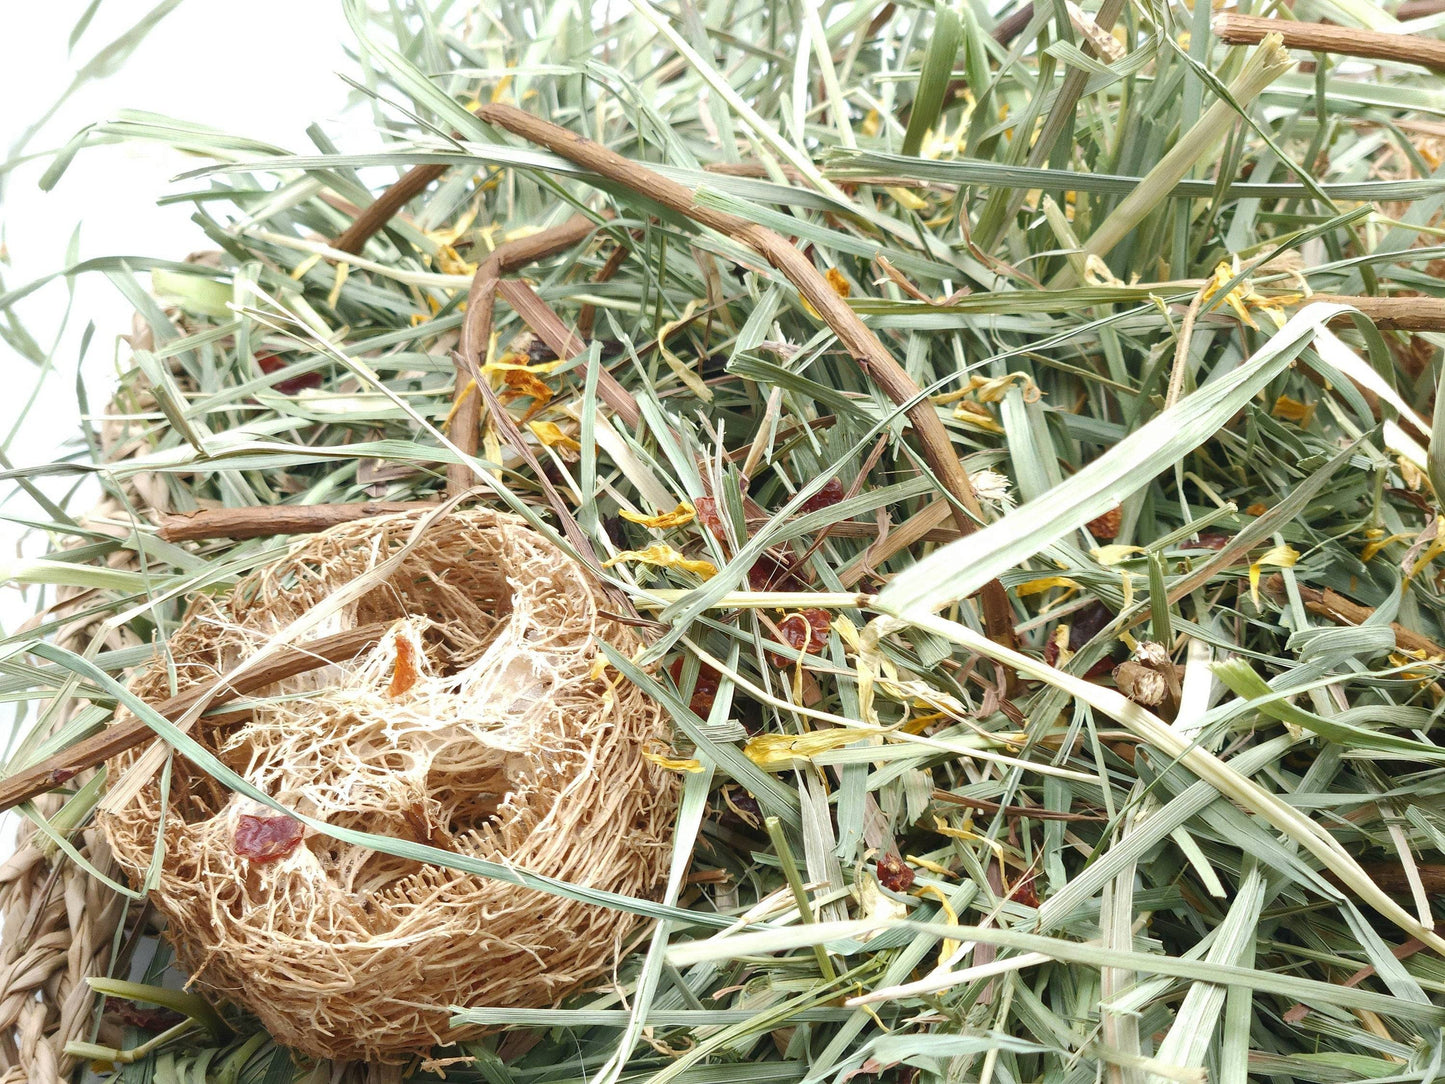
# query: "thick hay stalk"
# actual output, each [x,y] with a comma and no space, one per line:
[90,752]
[865,346]
[1237,29]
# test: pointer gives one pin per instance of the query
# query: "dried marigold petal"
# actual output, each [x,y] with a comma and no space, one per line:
[265,839]
[894,874]
[1106,526]
[406,673]
[522,384]
[678,517]
[830,494]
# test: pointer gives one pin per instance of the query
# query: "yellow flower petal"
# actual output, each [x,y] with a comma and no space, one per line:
[673,764]
[1113,555]
[1292,410]
[550,434]
[683,513]
[776,752]
[1045,583]
[1375,547]
[1280,556]
[664,556]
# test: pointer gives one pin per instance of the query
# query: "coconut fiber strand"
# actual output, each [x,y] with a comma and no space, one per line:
[482,722]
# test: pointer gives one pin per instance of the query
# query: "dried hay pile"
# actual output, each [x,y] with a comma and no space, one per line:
[481,723]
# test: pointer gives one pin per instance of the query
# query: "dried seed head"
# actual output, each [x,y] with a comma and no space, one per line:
[1141,684]
[1151,654]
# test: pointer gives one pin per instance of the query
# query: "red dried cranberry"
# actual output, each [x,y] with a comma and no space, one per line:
[706,509]
[265,839]
[774,573]
[1024,893]
[1213,540]
[270,363]
[831,493]
[806,631]
[894,874]
[1106,527]
[704,689]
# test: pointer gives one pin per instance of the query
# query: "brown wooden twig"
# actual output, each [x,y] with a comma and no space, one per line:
[1343,611]
[1392,313]
[238,523]
[380,211]
[55,770]
[1236,29]
[1418,9]
[477,328]
[860,341]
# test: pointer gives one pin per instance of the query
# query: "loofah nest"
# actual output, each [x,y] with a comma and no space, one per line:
[480,723]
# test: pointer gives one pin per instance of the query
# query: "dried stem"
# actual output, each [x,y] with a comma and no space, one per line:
[265,522]
[477,327]
[116,739]
[381,210]
[1392,313]
[859,340]
[242,523]
[1343,611]
[1237,29]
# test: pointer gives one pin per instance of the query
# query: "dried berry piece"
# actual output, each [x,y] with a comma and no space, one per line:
[270,363]
[704,690]
[406,673]
[155,1020]
[894,874]
[831,493]
[1213,540]
[805,631]
[706,509]
[1106,527]
[1024,892]
[771,572]
[265,839]
[744,806]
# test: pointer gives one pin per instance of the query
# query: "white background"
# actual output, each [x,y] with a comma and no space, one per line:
[260,68]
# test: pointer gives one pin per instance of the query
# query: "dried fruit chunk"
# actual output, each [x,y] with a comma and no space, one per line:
[704,689]
[1106,527]
[805,631]
[706,509]
[406,673]
[894,874]
[265,839]
[831,493]
[270,363]
[775,573]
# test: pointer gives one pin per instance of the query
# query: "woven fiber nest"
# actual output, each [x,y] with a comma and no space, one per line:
[482,722]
